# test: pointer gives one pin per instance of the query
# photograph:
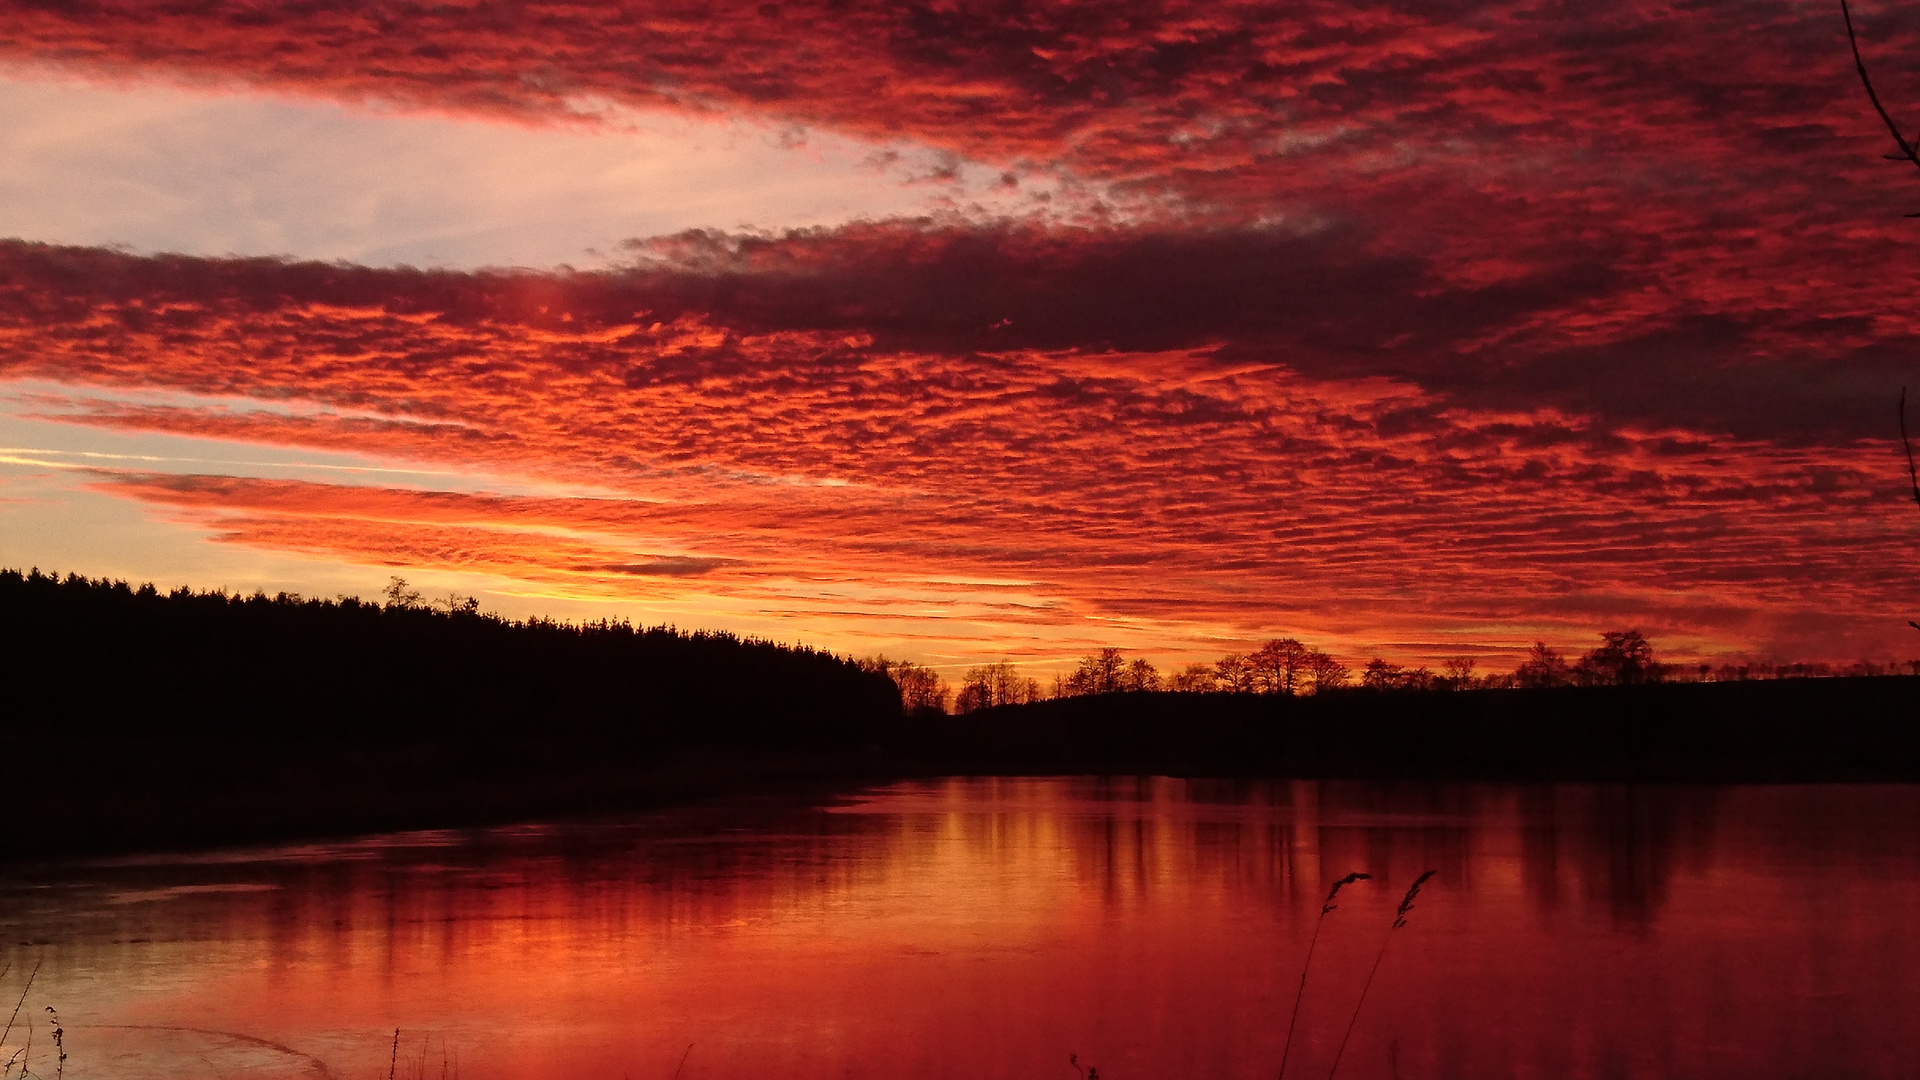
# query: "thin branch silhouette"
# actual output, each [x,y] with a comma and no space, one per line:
[1909,151]
[1326,909]
[23,1000]
[1399,920]
[1913,476]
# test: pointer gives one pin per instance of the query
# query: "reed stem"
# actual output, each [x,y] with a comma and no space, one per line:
[1325,909]
[1399,920]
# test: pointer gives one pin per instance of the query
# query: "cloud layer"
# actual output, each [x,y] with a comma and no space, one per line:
[1409,327]
[842,466]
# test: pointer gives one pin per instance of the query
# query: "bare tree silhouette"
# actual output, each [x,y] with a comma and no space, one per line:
[1234,674]
[1380,675]
[1325,672]
[1906,444]
[399,594]
[1909,150]
[1542,667]
[922,690]
[1194,679]
[1101,673]
[1623,658]
[1279,666]
[995,684]
[1139,675]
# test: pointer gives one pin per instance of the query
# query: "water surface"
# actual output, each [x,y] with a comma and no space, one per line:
[1154,929]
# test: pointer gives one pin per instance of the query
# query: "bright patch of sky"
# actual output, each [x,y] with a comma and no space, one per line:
[155,167]
[35,437]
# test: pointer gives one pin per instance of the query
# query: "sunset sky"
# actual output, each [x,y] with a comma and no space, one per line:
[978,331]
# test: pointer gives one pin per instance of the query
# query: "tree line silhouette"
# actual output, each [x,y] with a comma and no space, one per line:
[137,661]
[137,718]
[1287,667]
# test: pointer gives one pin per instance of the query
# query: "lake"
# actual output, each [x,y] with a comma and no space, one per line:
[1151,929]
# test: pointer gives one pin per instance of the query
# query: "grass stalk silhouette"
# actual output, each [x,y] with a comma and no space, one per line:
[18,1004]
[1399,920]
[20,1056]
[1326,908]
[59,1044]
[419,1062]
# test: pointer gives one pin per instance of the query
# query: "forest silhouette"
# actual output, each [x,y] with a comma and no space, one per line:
[137,718]
[142,719]
[1289,709]
[1772,730]
[135,661]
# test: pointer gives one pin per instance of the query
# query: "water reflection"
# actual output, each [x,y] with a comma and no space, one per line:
[988,928]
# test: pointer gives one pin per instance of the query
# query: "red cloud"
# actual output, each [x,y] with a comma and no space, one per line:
[1698,139]
[1183,497]
[1663,215]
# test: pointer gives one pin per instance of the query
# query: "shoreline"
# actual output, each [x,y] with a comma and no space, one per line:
[107,794]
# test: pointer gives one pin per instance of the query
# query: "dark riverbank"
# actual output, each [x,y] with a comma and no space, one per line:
[78,792]
[85,797]
[1786,730]
[139,720]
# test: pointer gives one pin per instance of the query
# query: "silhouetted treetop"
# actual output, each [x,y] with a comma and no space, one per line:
[922,690]
[1623,658]
[995,684]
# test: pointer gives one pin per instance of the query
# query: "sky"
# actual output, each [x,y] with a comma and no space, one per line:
[968,332]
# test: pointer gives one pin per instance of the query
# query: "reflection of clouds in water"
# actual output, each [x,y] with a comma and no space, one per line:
[1616,845]
[1036,908]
